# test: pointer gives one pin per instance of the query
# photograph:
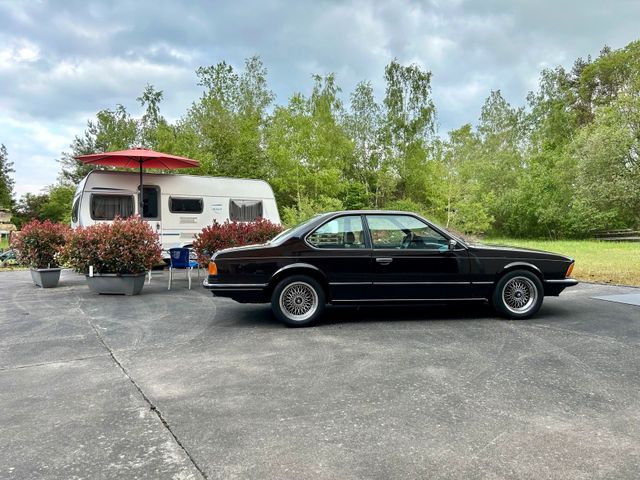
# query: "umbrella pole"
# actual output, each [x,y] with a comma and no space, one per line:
[141,202]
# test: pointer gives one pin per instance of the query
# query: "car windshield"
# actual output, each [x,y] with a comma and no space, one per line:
[291,232]
[456,236]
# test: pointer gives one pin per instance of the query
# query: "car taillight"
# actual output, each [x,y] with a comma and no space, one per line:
[570,269]
[213,268]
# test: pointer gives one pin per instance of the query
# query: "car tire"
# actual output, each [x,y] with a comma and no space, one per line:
[518,295]
[298,301]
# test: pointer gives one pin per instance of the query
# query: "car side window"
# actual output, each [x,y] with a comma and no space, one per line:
[341,232]
[404,232]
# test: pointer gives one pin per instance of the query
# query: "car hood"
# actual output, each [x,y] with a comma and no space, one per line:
[515,252]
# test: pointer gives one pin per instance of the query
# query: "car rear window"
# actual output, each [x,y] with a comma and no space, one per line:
[341,232]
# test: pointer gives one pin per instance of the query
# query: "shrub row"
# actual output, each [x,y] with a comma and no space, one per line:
[125,245]
[232,234]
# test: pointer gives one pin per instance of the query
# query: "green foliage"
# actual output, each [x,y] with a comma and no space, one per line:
[363,124]
[58,206]
[565,165]
[308,149]
[223,129]
[608,160]
[54,205]
[408,126]
[356,196]
[112,130]
[28,208]
[307,208]
[6,179]
[152,127]
[405,205]
[466,199]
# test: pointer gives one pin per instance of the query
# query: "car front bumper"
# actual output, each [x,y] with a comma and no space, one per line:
[553,288]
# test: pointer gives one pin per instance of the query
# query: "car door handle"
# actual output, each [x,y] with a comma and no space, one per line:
[384,260]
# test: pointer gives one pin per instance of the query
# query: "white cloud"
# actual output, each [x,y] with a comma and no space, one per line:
[460,94]
[23,188]
[18,52]
[34,146]
[86,28]
[60,62]
[60,90]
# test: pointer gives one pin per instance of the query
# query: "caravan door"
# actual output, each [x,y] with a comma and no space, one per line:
[151,211]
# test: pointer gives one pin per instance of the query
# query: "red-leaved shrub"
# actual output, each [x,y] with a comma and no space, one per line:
[124,246]
[232,234]
[38,243]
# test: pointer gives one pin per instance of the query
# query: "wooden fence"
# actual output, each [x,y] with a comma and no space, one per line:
[623,235]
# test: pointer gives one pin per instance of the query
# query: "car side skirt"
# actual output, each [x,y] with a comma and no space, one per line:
[409,300]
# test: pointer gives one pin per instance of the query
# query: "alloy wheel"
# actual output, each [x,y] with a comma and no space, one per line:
[298,301]
[519,295]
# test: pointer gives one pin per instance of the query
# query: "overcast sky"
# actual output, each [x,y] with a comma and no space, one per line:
[62,61]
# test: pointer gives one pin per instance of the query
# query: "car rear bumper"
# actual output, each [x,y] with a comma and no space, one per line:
[240,292]
[553,288]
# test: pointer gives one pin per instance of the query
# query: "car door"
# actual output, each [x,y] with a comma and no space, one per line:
[340,250]
[412,260]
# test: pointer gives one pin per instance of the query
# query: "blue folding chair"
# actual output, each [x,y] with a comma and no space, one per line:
[180,259]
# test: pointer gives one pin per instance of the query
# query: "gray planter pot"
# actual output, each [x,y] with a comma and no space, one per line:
[116,284]
[46,277]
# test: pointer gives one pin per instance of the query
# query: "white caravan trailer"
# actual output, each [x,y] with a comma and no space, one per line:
[176,206]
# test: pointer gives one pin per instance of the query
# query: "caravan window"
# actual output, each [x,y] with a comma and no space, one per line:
[245,210]
[185,205]
[108,207]
[150,202]
[74,210]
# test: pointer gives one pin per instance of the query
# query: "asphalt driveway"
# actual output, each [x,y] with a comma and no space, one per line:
[178,385]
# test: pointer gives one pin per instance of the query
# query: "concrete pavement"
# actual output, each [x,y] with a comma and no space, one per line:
[179,385]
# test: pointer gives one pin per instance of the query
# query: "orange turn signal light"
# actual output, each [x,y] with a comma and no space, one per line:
[570,269]
[213,268]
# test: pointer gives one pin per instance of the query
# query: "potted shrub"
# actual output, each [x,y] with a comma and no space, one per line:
[232,234]
[38,244]
[114,256]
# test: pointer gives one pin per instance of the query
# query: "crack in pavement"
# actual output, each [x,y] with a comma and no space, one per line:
[152,406]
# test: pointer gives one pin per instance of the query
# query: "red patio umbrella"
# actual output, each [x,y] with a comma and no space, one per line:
[137,158]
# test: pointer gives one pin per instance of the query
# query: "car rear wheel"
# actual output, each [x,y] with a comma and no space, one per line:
[298,301]
[518,294]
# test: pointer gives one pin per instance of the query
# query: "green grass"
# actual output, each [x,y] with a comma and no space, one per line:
[596,261]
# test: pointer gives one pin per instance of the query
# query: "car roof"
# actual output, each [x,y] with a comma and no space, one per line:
[368,212]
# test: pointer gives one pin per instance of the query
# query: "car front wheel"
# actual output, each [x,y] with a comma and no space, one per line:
[518,294]
[298,301]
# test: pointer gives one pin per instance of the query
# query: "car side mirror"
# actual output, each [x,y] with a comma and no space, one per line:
[452,244]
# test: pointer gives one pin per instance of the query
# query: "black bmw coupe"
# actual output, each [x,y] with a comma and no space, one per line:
[376,257]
